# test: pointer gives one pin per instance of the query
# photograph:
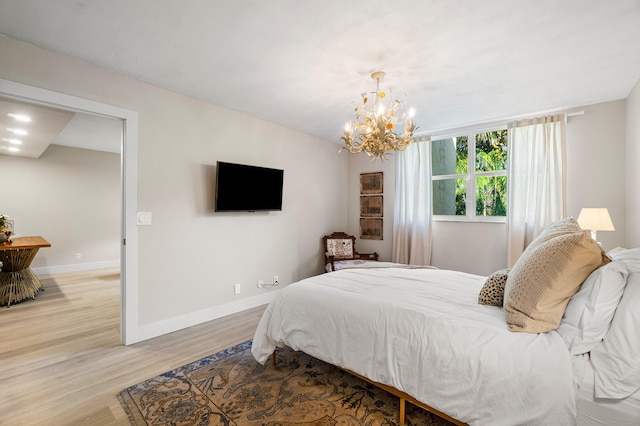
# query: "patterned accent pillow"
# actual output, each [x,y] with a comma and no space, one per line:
[341,249]
[492,292]
[547,274]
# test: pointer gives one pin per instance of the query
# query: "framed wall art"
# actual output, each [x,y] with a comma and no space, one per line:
[371,205]
[370,229]
[371,183]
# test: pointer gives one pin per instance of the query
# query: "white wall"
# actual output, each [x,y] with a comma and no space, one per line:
[360,163]
[190,258]
[596,144]
[633,169]
[72,198]
[596,171]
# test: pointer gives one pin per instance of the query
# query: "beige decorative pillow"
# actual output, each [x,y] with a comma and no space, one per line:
[492,292]
[547,274]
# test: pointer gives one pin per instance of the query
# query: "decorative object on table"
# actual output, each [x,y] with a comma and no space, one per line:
[17,280]
[375,125]
[595,220]
[6,229]
[230,387]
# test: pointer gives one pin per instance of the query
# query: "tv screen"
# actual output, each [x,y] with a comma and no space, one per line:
[240,187]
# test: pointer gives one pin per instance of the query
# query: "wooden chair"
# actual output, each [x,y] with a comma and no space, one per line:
[340,252]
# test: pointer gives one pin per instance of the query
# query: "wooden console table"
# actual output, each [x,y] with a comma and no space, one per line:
[17,280]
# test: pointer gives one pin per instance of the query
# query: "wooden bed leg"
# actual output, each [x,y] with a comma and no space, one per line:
[273,359]
[401,416]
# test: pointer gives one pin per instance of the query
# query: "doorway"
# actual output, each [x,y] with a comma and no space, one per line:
[129,150]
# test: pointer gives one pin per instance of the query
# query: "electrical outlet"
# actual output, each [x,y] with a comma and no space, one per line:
[236,289]
[78,256]
[260,284]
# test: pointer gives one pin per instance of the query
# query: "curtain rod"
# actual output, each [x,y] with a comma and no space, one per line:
[571,114]
[492,123]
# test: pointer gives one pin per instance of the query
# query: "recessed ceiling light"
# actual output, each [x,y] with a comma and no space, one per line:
[17,131]
[20,117]
[13,141]
[13,149]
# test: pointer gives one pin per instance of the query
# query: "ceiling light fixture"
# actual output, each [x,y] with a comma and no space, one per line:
[21,132]
[13,141]
[375,125]
[20,117]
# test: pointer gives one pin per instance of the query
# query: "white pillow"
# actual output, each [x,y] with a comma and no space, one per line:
[631,257]
[616,360]
[547,274]
[590,311]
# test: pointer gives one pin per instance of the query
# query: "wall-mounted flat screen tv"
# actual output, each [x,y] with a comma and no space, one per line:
[241,187]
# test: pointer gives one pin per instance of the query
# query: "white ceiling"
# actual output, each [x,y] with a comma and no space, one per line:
[302,64]
[46,123]
[54,126]
[91,132]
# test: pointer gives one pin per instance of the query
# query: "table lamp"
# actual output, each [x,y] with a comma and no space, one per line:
[595,220]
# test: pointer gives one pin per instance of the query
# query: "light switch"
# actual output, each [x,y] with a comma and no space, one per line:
[143,218]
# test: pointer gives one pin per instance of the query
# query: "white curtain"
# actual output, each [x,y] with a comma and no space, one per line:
[536,180]
[412,214]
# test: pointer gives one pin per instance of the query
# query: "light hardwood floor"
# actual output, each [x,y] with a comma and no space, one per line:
[61,361]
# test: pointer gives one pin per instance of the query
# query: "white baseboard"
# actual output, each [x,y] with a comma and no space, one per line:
[177,323]
[76,267]
[170,325]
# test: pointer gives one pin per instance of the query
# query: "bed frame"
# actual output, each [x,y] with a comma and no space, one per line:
[404,397]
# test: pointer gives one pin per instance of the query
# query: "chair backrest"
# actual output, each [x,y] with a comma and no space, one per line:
[340,245]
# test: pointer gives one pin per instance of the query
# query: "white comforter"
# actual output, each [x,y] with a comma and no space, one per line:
[423,332]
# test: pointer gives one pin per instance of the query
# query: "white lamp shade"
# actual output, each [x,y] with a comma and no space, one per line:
[595,220]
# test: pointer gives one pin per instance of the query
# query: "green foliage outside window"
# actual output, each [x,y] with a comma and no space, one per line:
[490,157]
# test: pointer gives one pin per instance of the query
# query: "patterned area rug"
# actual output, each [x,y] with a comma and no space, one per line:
[231,388]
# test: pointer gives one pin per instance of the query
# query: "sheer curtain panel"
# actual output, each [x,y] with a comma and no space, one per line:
[536,180]
[412,215]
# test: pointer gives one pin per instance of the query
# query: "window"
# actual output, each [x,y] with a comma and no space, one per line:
[469,175]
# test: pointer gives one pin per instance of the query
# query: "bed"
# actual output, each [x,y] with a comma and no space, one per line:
[422,332]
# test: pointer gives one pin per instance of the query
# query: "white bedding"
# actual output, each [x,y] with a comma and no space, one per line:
[594,411]
[399,327]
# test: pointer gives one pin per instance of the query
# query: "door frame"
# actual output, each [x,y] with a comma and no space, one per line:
[129,187]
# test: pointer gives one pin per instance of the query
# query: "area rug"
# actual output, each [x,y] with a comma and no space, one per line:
[231,388]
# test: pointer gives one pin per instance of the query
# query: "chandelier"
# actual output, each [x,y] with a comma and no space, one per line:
[375,125]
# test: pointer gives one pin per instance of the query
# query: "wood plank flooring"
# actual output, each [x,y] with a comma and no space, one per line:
[61,361]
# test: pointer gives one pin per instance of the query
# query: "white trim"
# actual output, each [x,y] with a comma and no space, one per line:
[129,156]
[468,219]
[466,130]
[76,267]
[486,124]
[170,325]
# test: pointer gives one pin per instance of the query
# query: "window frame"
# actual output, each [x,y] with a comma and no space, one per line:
[470,176]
